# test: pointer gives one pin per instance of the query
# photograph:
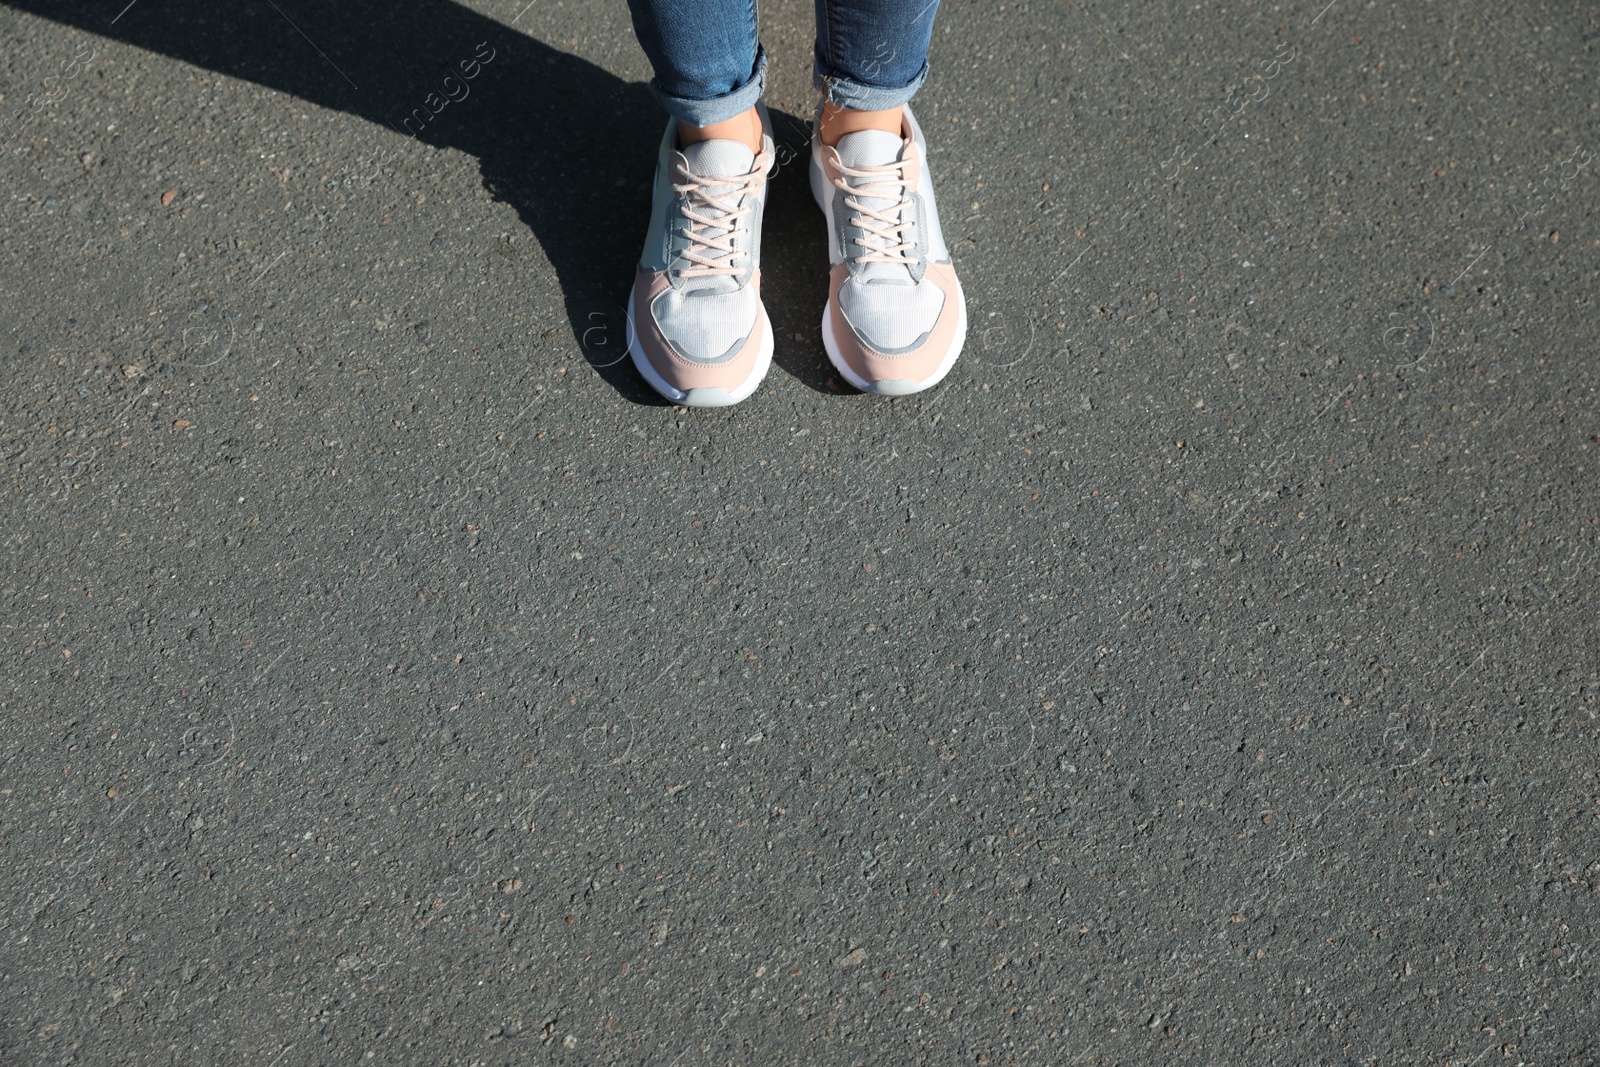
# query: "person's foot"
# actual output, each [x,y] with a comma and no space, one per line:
[696,327]
[896,317]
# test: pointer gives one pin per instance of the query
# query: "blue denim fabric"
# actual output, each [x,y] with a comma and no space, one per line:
[870,54]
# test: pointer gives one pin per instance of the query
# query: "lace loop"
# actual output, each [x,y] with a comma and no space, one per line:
[882,224]
[713,254]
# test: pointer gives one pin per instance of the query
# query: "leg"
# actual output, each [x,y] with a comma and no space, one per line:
[710,68]
[698,332]
[871,57]
[896,317]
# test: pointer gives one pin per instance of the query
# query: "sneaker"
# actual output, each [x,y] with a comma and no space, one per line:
[696,327]
[896,317]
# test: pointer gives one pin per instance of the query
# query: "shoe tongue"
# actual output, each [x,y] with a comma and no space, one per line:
[716,159]
[719,159]
[870,148]
[875,148]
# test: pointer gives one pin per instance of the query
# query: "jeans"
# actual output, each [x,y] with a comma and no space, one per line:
[871,55]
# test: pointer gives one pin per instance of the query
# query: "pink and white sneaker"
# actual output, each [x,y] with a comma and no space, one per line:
[896,317]
[697,330]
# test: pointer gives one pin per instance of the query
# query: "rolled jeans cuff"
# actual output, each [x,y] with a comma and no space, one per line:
[717,109]
[858,96]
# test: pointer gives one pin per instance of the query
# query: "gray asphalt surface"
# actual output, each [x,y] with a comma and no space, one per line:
[1206,674]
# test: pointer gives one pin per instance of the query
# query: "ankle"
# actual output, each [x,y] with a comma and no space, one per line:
[744,127]
[838,121]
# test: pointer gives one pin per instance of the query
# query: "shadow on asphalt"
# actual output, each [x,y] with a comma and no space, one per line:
[570,146]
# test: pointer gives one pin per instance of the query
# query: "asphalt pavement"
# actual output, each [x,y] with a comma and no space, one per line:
[1207,673]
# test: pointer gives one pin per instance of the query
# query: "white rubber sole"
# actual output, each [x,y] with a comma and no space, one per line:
[709,397]
[895,386]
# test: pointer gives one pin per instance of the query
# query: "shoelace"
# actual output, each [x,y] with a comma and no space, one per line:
[714,255]
[888,224]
